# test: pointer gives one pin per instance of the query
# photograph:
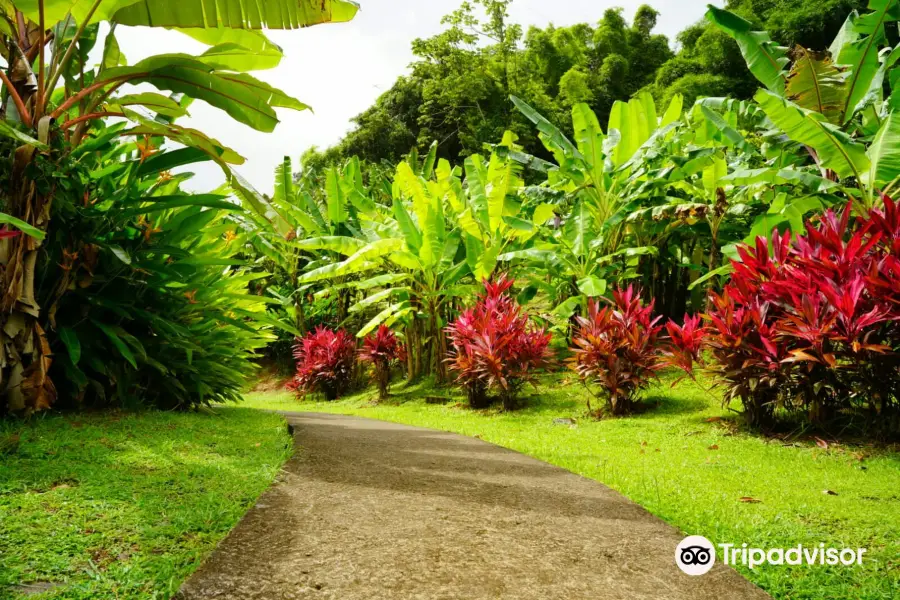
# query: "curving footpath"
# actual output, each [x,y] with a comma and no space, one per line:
[369,510]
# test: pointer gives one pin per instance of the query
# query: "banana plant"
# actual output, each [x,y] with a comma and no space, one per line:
[833,102]
[584,239]
[52,101]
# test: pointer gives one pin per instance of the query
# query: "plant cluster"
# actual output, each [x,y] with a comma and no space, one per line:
[326,363]
[811,324]
[617,348]
[383,351]
[494,347]
[147,301]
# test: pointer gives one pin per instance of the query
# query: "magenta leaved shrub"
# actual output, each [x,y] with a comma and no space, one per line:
[810,324]
[326,362]
[495,347]
[617,349]
[383,351]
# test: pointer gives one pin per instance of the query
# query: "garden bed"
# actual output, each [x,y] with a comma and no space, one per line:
[688,462]
[96,506]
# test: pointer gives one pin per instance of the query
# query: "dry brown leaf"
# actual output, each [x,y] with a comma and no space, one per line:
[749,500]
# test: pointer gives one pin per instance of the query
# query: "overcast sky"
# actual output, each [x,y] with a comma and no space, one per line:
[340,69]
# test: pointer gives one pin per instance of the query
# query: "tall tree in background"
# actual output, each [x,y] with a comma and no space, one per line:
[459,87]
[709,62]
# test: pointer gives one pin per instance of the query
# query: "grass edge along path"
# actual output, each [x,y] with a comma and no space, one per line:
[687,461]
[127,505]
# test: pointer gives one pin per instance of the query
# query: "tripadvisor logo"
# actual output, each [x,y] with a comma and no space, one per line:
[696,555]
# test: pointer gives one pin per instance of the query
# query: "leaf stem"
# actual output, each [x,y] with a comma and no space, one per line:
[90,117]
[17,99]
[63,64]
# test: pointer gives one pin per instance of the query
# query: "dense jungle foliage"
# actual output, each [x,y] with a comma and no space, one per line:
[595,201]
[119,288]
[459,84]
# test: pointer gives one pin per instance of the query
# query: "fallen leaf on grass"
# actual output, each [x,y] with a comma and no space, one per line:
[749,500]
[713,447]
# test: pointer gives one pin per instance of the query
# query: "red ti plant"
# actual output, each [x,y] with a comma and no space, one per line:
[686,344]
[325,362]
[495,347]
[383,350]
[811,324]
[616,348]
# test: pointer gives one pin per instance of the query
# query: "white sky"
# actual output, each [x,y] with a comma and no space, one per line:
[340,69]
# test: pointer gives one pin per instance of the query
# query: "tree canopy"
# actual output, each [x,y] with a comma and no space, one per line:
[458,88]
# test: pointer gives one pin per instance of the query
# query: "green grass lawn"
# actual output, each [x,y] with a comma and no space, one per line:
[115,506]
[687,462]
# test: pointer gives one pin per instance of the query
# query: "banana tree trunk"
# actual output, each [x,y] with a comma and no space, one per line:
[438,342]
[25,356]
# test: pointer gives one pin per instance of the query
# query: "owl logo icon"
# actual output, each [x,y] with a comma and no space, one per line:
[695,555]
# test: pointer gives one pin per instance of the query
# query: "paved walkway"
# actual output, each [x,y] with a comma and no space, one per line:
[368,510]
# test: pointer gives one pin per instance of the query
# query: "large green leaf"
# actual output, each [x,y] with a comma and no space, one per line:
[577,231]
[284,184]
[7,130]
[57,10]
[589,137]
[265,53]
[243,97]
[21,225]
[234,57]
[673,112]
[191,138]
[158,103]
[238,14]
[773,176]
[503,181]
[592,286]
[337,201]
[884,153]
[113,334]
[70,341]
[815,83]
[345,246]
[765,59]
[381,317]
[410,232]
[860,49]
[836,150]
[428,208]
[635,121]
[553,138]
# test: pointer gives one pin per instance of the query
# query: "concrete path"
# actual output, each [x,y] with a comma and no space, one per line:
[368,510]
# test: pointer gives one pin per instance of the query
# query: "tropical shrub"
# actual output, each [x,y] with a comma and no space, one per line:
[617,348]
[383,350]
[326,361]
[494,347]
[812,324]
[54,101]
[145,298]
